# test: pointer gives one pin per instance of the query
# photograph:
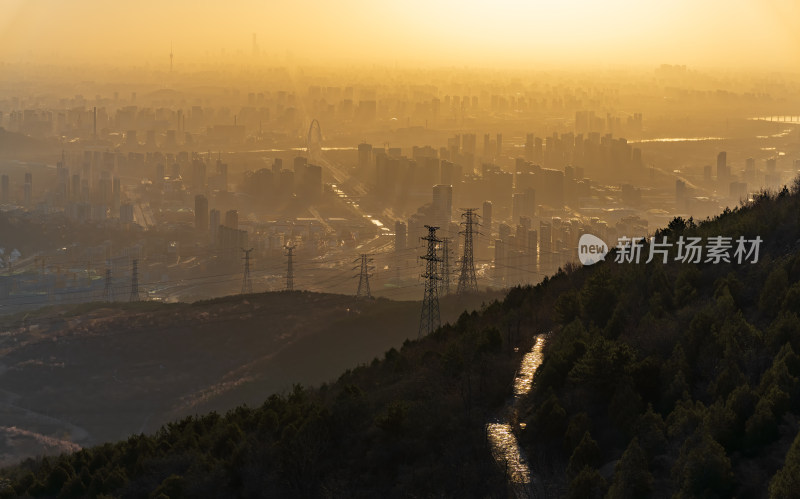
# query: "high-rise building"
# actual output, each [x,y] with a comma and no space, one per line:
[529,147]
[738,191]
[198,175]
[400,236]
[300,164]
[552,188]
[545,242]
[130,139]
[126,213]
[722,166]
[487,218]
[201,212]
[222,176]
[277,166]
[75,187]
[680,194]
[442,205]
[468,141]
[215,220]
[771,164]
[286,183]
[364,156]
[105,188]
[523,205]
[750,169]
[232,219]
[312,182]
[116,195]
[28,190]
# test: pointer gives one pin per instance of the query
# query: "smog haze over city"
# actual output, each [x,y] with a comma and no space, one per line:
[350,249]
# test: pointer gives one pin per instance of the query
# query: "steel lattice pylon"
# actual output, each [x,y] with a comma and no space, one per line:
[108,291]
[247,281]
[290,269]
[467,282]
[429,319]
[135,282]
[363,277]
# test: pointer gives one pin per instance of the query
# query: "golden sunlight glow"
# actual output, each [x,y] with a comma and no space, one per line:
[509,33]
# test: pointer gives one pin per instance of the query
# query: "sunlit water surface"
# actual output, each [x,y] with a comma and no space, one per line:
[505,448]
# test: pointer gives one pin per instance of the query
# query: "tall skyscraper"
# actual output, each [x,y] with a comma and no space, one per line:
[529,147]
[201,212]
[232,219]
[523,205]
[364,156]
[442,205]
[722,166]
[215,220]
[400,236]
[680,194]
[487,219]
[28,190]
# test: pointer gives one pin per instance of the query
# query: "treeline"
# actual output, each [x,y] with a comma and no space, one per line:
[677,380]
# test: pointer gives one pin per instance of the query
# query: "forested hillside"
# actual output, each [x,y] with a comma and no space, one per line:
[677,379]
[659,380]
[409,423]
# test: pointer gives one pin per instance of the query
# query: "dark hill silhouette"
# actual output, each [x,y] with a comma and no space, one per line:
[99,372]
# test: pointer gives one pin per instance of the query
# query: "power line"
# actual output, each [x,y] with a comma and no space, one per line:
[429,319]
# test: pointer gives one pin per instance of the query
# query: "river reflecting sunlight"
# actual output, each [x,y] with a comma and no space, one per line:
[505,448]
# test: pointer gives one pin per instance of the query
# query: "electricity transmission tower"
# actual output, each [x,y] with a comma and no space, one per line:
[290,269]
[108,291]
[444,288]
[135,281]
[363,277]
[429,318]
[247,282]
[467,282]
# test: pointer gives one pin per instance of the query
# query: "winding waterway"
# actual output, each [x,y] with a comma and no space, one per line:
[505,448]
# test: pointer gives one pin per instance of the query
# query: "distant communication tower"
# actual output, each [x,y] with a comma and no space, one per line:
[467,282]
[363,276]
[247,281]
[429,319]
[108,291]
[170,57]
[290,269]
[135,282]
[444,288]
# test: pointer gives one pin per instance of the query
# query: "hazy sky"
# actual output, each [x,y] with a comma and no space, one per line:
[726,33]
